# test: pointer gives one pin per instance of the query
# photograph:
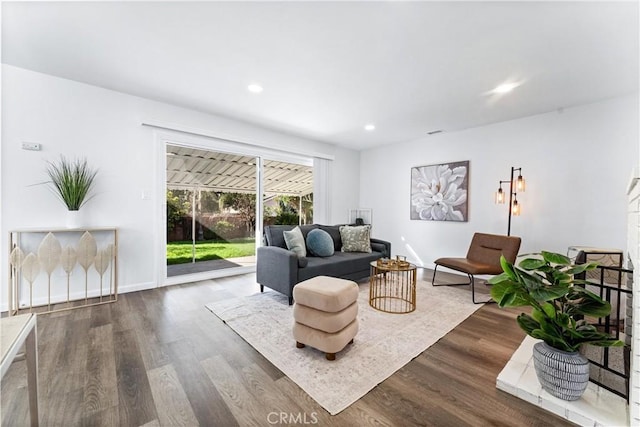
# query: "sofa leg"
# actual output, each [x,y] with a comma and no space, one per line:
[261,288]
[299,345]
[290,300]
[330,356]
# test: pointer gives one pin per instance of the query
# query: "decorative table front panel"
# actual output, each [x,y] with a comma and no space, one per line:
[61,269]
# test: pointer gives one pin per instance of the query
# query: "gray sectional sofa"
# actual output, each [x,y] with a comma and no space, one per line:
[280,269]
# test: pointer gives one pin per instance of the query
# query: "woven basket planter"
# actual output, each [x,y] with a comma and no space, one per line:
[562,374]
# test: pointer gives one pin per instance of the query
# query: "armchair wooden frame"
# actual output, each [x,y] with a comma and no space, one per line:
[483,257]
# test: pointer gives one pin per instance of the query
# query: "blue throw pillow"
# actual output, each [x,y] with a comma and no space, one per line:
[320,243]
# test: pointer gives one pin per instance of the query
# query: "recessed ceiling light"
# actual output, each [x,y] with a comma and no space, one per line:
[506,87]
[254,88]
[370,127]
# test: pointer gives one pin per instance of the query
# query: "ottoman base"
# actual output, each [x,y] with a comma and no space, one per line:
[329,343]
[329,356]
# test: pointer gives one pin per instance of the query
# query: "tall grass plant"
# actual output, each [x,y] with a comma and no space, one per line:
[71,181]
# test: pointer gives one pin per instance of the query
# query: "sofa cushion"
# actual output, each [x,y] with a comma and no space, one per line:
[341,264]
[295,242]
[320,243]
[334,232]
[355,239]
[273,235]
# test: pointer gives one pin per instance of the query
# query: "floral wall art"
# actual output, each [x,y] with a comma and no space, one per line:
[439,192]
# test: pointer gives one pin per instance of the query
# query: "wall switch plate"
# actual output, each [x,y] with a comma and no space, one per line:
[33,146]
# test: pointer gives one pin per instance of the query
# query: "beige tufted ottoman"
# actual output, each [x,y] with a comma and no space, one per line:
[325,313]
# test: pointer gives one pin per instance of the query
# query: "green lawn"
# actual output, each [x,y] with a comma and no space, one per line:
[180,252]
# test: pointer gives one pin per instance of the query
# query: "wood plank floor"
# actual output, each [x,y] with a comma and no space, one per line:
[160,358]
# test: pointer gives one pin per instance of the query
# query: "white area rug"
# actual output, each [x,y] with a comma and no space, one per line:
[385,342]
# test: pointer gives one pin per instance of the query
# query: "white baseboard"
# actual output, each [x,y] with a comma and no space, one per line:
[136,287]
[208,275]
[186,278]
[75,296]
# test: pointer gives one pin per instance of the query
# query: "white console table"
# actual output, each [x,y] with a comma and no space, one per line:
[60,269]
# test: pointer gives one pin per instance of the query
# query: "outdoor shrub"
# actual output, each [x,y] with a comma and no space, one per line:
[287,218]
[223,228]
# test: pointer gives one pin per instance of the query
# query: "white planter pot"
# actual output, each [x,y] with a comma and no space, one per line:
[73,219]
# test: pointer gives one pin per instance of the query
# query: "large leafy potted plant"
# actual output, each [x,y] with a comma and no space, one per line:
[71,182]
[546,282]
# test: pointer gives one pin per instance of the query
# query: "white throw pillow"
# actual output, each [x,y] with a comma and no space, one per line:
[355,239]
[295,241]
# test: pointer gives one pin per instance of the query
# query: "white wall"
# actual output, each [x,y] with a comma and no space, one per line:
[346,183]
[577,163]
[79,120]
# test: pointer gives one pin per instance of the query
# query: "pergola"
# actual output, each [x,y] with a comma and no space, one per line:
[189,168]
[203,170]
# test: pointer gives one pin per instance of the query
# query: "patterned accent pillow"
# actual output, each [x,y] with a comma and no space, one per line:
[295,241]
[320,243]
[355,239]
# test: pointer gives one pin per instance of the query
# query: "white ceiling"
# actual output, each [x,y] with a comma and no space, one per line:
[328,68]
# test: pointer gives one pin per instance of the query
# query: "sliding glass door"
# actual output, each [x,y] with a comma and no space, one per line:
[211,210]
[288,193]
[214,218]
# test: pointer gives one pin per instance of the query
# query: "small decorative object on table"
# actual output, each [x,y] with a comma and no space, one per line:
[383,262]
[399,262]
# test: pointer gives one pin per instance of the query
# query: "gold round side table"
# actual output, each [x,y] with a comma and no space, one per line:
[392,286]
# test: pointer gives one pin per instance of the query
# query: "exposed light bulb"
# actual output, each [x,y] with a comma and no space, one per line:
[515,208]
[370,127]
